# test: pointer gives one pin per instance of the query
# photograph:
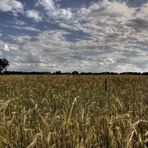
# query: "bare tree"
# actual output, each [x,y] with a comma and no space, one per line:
[4,63]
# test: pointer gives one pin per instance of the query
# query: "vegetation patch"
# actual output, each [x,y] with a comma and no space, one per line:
[73,111]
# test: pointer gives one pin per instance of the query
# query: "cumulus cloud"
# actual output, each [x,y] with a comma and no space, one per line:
[118,39]
[13,6]
[143,12]
[53,10]
[35,15]
[47,4]
[4,46]
[48,42]
[111,25]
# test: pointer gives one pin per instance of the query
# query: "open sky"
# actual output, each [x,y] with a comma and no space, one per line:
[68,35]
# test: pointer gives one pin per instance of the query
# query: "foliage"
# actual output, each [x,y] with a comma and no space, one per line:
[4,63]
[73,111]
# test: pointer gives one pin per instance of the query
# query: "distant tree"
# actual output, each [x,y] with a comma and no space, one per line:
[75,73]
[58,73]
[4,63]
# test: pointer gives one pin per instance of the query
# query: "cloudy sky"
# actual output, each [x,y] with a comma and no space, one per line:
[67,35]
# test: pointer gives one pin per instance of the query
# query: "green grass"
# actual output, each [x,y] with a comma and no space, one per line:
[73,111]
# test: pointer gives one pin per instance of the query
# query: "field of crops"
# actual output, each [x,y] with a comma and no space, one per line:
[73,111]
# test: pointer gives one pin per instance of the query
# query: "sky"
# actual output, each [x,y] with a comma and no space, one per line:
[69,35]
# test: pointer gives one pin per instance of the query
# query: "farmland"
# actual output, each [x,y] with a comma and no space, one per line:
[73,111]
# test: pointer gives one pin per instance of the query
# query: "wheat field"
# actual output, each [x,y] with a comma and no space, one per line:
[73,111]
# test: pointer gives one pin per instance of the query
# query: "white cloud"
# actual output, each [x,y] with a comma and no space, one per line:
[20,23]
[64,13]
[47,4]
[110,60]
[6,48]
[26,28]
[48,42]
[54,11]
[13,6]
[21,39]
[118,39]
[35,15]
[111,25]
[143,12]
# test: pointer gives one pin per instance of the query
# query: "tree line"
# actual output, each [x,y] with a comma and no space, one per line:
[4,63]
[70,73]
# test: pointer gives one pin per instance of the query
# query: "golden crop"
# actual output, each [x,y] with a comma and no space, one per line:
[73,111]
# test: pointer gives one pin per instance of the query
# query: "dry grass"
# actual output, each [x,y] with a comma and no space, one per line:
[73,111]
